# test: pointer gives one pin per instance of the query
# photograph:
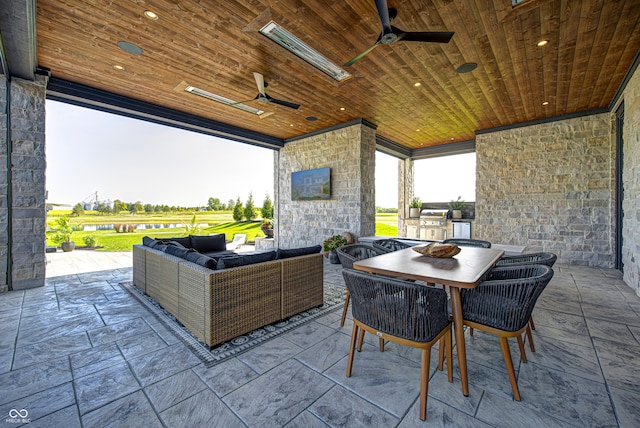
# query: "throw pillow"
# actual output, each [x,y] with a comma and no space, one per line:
[174,250]
[149,242]
[245,259]
[200,259]
[294,252]
[205,244]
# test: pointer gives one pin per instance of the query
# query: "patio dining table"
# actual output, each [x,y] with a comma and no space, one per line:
[465,270]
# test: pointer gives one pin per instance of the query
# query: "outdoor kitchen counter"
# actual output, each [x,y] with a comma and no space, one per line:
[509,250]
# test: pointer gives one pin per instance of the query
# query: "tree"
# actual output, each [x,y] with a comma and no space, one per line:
[214,204]
[230,204]
[267,208]
[238,211]
[148,208]
[77,210]
[249,208]
[118,206]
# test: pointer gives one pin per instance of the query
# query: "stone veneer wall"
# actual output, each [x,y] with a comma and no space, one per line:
[631,184]
[549,187]
[24,197]
[350,153]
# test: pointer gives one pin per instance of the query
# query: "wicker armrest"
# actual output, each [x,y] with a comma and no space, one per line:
[302,283]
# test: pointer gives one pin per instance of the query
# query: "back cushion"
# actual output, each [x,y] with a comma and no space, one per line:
[200,259]
[174,250]
[205,244]
[245,259]
[294,252]
[149,242]
[184,241]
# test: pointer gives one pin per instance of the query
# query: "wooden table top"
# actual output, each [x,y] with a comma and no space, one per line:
[464,270]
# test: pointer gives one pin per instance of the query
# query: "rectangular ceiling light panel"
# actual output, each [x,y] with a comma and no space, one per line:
[299,48]
[223,100]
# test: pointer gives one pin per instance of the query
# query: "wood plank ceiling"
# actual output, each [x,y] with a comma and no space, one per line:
[214,45]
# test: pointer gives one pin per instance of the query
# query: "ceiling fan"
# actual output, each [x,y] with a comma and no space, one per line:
[266,98]
[392,34]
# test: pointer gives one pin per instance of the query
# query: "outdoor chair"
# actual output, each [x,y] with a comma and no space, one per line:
[348,254]
[402,312]
[502,305]
[239,239]
[390,245]
[547,259]
[468,242]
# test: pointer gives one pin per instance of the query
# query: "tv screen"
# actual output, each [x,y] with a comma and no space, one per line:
[311,185]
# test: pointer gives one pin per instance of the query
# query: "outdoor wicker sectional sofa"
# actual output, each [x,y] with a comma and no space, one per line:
[217,303]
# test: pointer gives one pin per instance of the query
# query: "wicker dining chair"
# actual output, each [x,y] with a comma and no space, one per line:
[468,242]
[349,254]
[541,258]
[390,245]
[403,312]
[502,305]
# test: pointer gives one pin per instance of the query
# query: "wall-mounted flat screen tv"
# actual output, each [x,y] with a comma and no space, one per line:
[311,185]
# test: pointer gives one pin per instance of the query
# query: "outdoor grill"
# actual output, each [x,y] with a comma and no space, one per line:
[433,224]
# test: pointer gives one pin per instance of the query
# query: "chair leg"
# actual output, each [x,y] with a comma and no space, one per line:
[506,354]
[354,334]
[424,382]
[523,355]
[344,310]
[381,340]
[360,340]
[449,344]
[441,346]
[531,324]
[470,331]
[530,339]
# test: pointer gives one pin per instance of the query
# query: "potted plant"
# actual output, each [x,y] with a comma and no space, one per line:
[456,207]
[267,227]
[62,231]
[330,246]
[414,207]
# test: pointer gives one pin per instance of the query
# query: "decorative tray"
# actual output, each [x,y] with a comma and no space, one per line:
[438,250]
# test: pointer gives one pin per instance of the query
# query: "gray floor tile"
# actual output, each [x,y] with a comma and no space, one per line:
[308,334]
[567,357]
[227,376]
[439,414]
[67,418]
[621,375]
[33,379]
[94,355]
[171,391]
[131,411]
[161,364]
[627,405]
[268,355]
[97,389]
[119,331]
[202,410]
[134,346]
[278,396]
[306,419]
[326,353]
[56,347]
[44,402]
[342,408]
[501,412]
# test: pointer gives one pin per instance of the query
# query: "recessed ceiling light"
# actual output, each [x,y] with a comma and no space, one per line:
[118,67]
[452,138]
[542,43]
[291,124]
[417,84]
[130,48]
[466,68]
[342,109]
[418,130]
[151,15]
[299,48]
[546,103]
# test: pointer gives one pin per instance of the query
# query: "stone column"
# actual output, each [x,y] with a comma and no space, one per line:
[22,184]
[405,193]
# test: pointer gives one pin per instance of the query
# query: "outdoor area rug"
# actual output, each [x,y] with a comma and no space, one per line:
[334,296]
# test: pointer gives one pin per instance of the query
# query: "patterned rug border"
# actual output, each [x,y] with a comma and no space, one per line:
[333,297]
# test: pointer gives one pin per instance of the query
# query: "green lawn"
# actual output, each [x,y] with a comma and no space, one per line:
[218,222]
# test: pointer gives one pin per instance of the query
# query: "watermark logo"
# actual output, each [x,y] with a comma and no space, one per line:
[18,416]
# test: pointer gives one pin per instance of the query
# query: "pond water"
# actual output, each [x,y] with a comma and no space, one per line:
[140,226]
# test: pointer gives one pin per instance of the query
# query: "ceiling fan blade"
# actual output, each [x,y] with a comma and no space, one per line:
[259,81]
[429,36]
[383,13]
[283,103]
[362,55]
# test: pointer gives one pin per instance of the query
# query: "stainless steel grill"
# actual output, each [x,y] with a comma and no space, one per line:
[433,224]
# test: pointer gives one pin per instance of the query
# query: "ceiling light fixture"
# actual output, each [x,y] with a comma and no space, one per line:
[118,67]
[184,86]
[151,15]
[342,109]
[546,103]
[542,43]
[299,48]
[130,48]
[466,68]
[417,84]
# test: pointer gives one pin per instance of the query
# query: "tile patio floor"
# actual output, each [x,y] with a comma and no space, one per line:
[82,352]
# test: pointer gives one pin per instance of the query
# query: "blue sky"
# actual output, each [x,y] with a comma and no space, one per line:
[89,151]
